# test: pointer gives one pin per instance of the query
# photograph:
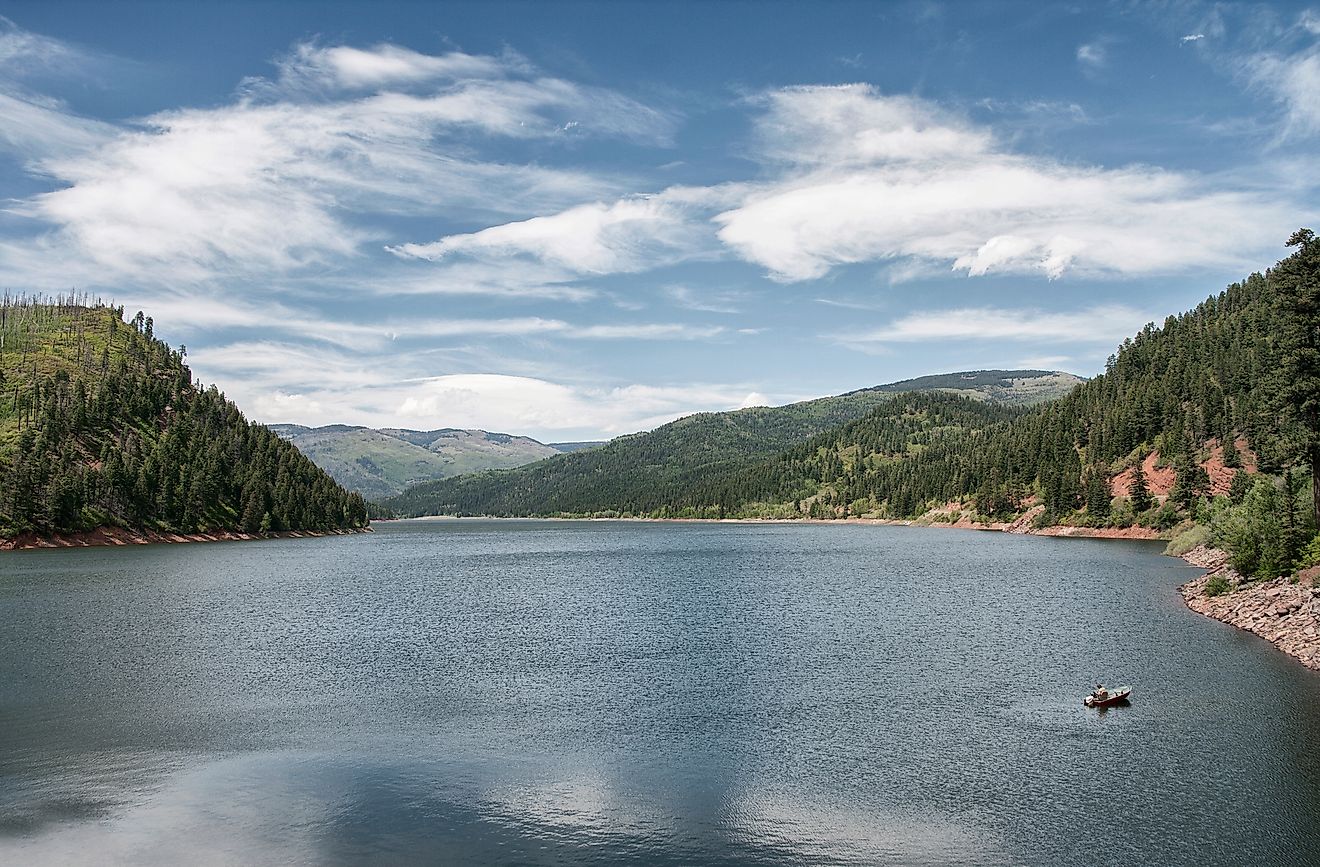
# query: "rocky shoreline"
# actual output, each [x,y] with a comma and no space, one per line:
[1284,611]
[120,536]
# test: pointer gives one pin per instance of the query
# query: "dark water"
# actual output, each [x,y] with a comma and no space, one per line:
[614,693]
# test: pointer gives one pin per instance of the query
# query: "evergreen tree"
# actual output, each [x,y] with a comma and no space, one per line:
[1139,490]
[1296,281]
[1190,481]
[1098,496]
[1237,490]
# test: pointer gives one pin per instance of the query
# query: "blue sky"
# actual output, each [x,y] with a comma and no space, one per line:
[581,220]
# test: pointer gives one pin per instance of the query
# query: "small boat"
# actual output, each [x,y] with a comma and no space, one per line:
[1108,697]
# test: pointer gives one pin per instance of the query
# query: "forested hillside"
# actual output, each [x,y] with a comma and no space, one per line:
[664,470]
[102,425]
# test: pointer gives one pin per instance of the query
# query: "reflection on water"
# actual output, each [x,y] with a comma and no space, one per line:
[299,808]
[562,692]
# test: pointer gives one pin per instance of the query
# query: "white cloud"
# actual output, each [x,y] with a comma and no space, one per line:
[1192,37]
[849,126]
[628,235]
[1103,324]
[343,66]
[1092,56]
[956,197]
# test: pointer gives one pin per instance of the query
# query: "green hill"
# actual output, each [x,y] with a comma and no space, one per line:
[102,425]
[382,463]
[656,471]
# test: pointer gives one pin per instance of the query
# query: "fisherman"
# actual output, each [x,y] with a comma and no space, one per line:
[1100,692]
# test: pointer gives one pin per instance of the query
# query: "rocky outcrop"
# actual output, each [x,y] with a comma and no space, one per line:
[1284,611]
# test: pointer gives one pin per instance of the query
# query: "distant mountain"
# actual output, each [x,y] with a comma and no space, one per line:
[643,472]
[102,426]
[382,463]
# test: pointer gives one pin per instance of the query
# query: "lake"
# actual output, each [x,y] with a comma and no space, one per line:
[565,692]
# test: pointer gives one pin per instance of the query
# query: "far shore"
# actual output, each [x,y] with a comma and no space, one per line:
[1018,527]
[121,536]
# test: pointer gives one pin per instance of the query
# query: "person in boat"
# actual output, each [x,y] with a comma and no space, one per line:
[1100,692]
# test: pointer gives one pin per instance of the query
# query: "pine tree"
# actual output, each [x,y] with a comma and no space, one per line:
[1098,497]
[1241,485]
[1138,490]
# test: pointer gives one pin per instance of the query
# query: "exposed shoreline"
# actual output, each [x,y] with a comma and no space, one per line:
[1021,526]
[1284,611]
[121,536]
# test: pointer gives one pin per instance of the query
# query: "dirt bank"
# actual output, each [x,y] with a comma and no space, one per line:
[107,536]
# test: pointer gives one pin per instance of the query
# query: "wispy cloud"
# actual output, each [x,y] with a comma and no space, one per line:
[705,300]
[290,175]
[1103,324]
[1092,57]
[1293,80]
[627,235]
[1192,37]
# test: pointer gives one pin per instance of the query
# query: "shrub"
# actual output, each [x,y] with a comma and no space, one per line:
[1217,585]
[1193,537]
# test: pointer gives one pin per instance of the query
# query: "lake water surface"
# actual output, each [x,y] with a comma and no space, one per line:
[535,692]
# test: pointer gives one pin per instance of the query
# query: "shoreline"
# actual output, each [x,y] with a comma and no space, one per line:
[1021,526]
[117,537]
[1283,611]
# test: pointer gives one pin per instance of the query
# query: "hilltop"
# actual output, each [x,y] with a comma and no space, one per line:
[102,426]
[1008,387]
[382,462]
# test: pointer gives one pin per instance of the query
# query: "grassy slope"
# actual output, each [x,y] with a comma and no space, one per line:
[36,343]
